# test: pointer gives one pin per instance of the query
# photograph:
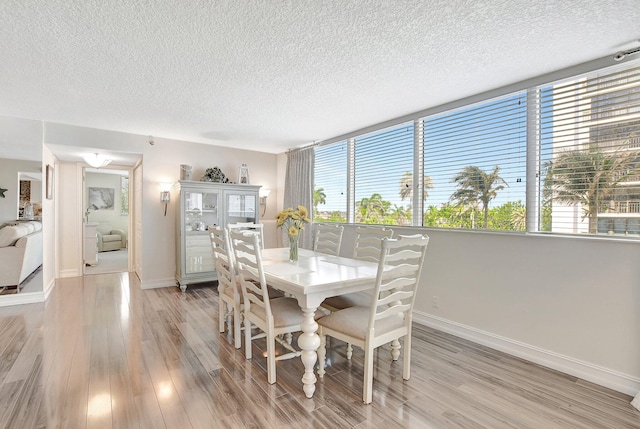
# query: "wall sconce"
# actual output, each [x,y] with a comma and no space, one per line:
[264,193]
[165,195]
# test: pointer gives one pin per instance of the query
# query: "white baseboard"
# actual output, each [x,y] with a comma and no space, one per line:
[602,376]
[22,298]
[154,284]
[49,289]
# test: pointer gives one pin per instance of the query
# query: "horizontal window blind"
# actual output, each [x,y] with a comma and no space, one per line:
[589,153]
[475,165]
[330,183]
[383,176]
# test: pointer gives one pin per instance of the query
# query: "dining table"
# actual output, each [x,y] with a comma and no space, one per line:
[311,279]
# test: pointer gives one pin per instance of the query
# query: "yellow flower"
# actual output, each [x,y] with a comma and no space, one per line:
[293,231]
[302,211]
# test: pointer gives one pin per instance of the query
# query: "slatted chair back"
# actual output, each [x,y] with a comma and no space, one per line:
[367,243]
[397,279]
[249,226]
[229,292]
[223,257]
[328,239]
[246,249]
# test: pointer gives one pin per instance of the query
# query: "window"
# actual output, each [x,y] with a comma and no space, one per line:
[589,153]
[475,166]
[561,157]
[383,176]
[330,184]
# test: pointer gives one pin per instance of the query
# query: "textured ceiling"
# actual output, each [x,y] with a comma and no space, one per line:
[271,75]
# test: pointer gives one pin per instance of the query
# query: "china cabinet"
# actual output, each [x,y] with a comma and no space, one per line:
[204,204]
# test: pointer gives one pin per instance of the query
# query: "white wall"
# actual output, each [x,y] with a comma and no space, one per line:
[570,303]
[161,164]
[113,215]
[50,231]
[9,169]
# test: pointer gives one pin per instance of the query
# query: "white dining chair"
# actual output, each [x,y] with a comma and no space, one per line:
[274,316]
[328,238]
[249,226]
[389,315]
[229,291]
[367,242]
[366,248]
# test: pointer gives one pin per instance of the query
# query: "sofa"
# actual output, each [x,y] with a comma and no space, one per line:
[20,252]
[109,238]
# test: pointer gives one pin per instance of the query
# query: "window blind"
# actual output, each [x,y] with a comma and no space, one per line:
[589,153]
[330,183]
[383,176]
[475,163]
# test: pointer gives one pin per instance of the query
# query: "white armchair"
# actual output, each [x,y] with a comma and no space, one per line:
[109,238]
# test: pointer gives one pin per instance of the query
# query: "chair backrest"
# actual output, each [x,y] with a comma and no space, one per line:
[397,279]
[224,260]
[249,226]
[367,244]
[104,227]
[248,257]
[328,238]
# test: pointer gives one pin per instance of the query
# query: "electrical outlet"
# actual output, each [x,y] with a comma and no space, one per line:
[435,303]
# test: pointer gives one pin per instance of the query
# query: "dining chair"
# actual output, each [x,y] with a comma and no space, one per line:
[328,238]
[389,315]
[367,242]
[229,291]
[366,248]
[258,227]
[273,316]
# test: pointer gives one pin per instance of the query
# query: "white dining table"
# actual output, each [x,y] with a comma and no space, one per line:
[313,278]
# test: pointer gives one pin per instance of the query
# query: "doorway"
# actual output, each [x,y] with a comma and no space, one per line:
[106,220]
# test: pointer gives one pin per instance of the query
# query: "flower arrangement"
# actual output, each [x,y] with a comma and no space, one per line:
[293,222]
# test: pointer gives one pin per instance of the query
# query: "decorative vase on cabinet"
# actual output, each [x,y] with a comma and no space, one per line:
[204,204]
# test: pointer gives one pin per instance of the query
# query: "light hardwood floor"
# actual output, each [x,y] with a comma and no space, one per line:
[103,353]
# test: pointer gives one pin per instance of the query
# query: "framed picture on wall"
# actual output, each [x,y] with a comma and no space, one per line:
[49,182]
[101,198]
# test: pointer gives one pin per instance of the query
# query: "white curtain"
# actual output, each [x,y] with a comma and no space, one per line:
[298,187]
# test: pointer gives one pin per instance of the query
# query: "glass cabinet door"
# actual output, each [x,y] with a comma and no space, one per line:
[241,207]
[200,211]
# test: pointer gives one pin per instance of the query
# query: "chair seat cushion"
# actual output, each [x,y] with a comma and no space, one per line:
[345,301]
[286,312]
[114,237]
[354,322]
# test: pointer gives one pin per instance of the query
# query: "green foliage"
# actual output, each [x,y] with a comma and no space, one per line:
[589,177]
[477,187]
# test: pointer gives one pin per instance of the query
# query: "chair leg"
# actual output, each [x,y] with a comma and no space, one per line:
[322,354]
[395,349]
[237,333]
[221,313]
[247,338]
[349,351]
[271,359]
[406,365]
[367,388]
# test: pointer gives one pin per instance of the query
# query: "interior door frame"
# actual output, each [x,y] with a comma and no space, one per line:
[131,243]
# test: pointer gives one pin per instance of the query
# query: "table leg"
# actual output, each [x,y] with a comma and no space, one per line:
[309,342]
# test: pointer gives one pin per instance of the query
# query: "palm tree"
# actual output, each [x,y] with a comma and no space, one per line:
[319,197]
[476,187]
[372,209]
[588,177]
[406,186]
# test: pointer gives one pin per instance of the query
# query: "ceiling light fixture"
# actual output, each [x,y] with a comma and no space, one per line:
[96,160]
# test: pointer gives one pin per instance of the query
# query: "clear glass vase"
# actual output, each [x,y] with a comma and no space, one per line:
[293,248]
